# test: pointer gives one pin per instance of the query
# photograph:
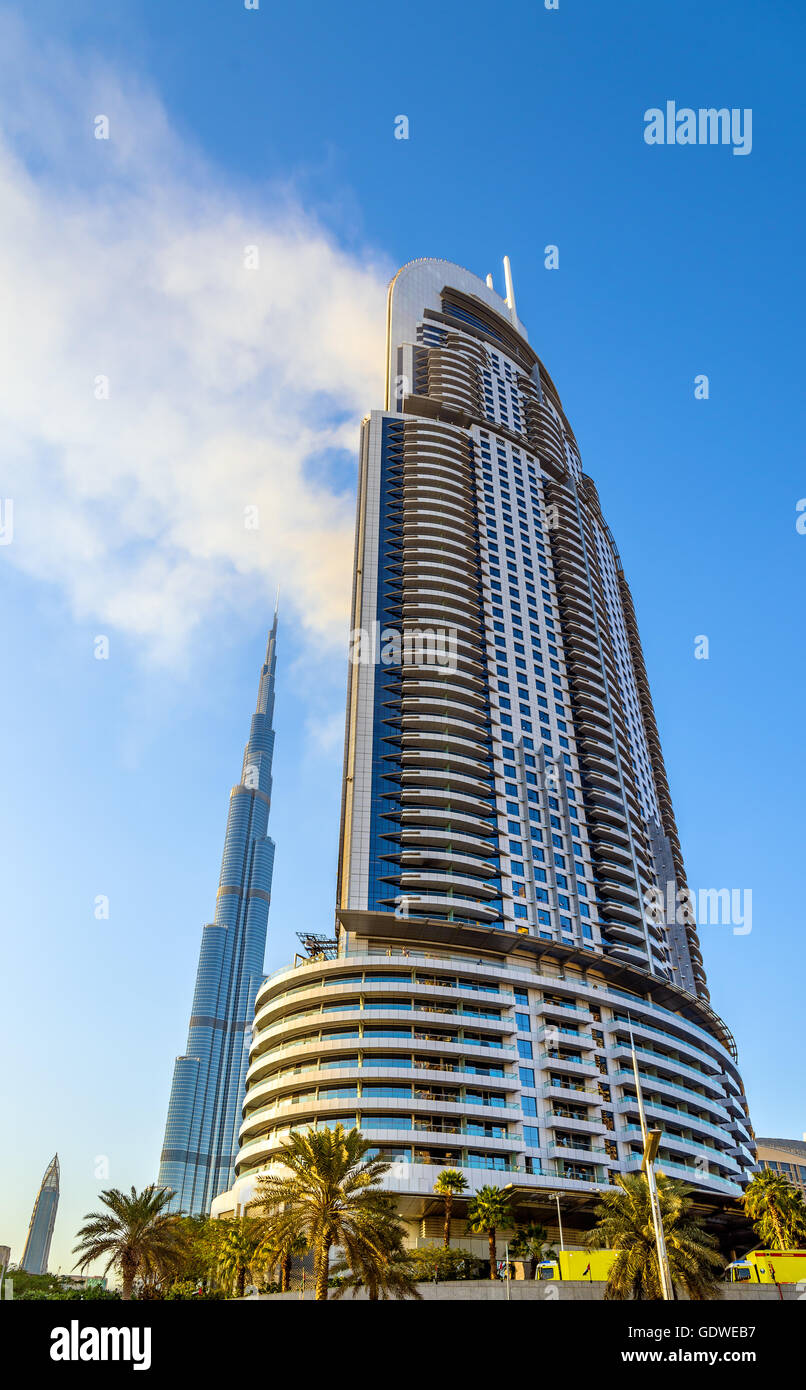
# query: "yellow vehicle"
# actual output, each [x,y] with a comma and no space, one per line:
[769,1267]
[592,1265]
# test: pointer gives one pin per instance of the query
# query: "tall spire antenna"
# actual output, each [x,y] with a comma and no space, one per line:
[510,290]
[270,645]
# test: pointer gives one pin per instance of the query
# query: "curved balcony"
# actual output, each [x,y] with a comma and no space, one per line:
[426,564]
[431,905]
[619,900]
[442,745]
[381,1012]
[305,1108]
[441,881]
[609,870]
[672,1142]
[463,674]
[428,858]
[466,1079]
[449,776]
[622,934]
[421,503]
[434,841]
[555,1119]
[466,651]
[632,955]
[452,690]
[449,798]
[453,719]
[431,539]
[593,1154]
[674,1088]
[418,517]
[686,1120]
[610,844]
[480,1051]
[443,609]
[437,767]
[695,1176]
[424,445]
[447,818]
[712,1057]
[659,1059]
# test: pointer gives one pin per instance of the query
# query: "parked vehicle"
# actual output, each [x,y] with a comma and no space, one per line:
[593,1265]
[769,1267]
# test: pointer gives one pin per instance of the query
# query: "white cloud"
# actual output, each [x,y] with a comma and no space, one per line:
[125,259]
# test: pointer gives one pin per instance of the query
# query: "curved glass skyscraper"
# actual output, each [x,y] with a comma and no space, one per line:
[43,1218]
[508,844]
[201,1133]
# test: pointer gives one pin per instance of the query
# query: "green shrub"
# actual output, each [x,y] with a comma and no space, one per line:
[186,1290]
[438,1263]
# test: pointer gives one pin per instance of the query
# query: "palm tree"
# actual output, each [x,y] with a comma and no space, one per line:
[449,1184]
[625,1225]
[393,1276]
[530,1241]
[239,1251]
[331,1197]
[488,1211]
[291,1247]
[136,1233]
[777,1211]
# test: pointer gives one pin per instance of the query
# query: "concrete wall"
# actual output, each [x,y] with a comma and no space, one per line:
[549,1291]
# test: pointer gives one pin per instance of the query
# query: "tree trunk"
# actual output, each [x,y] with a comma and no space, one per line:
[285,1272]
[493,1253]
[322,1270]
[533,1267]
[447,1229]
[128,1270]
[240,1283]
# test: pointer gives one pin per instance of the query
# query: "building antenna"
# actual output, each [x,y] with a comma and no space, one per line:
[490,285]
[510,290]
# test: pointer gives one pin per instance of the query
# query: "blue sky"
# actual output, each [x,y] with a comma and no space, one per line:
[123,259]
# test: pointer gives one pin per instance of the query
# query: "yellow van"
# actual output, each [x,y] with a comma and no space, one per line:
[769,1267]
[593,1265]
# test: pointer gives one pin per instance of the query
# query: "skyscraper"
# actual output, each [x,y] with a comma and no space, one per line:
[508,844]
[43,1217]
[201,1133]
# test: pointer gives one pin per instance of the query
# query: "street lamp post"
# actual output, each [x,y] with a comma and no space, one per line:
[651,1138]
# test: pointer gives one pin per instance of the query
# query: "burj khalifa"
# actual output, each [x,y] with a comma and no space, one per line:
[201,1131]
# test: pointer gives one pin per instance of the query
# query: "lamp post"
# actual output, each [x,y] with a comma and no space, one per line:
[651,1138]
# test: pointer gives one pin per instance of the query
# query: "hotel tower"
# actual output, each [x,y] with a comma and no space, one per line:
[508,847]
[201,1133]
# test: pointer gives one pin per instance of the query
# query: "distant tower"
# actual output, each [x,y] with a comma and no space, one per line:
[40,1231]
[204,1114]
